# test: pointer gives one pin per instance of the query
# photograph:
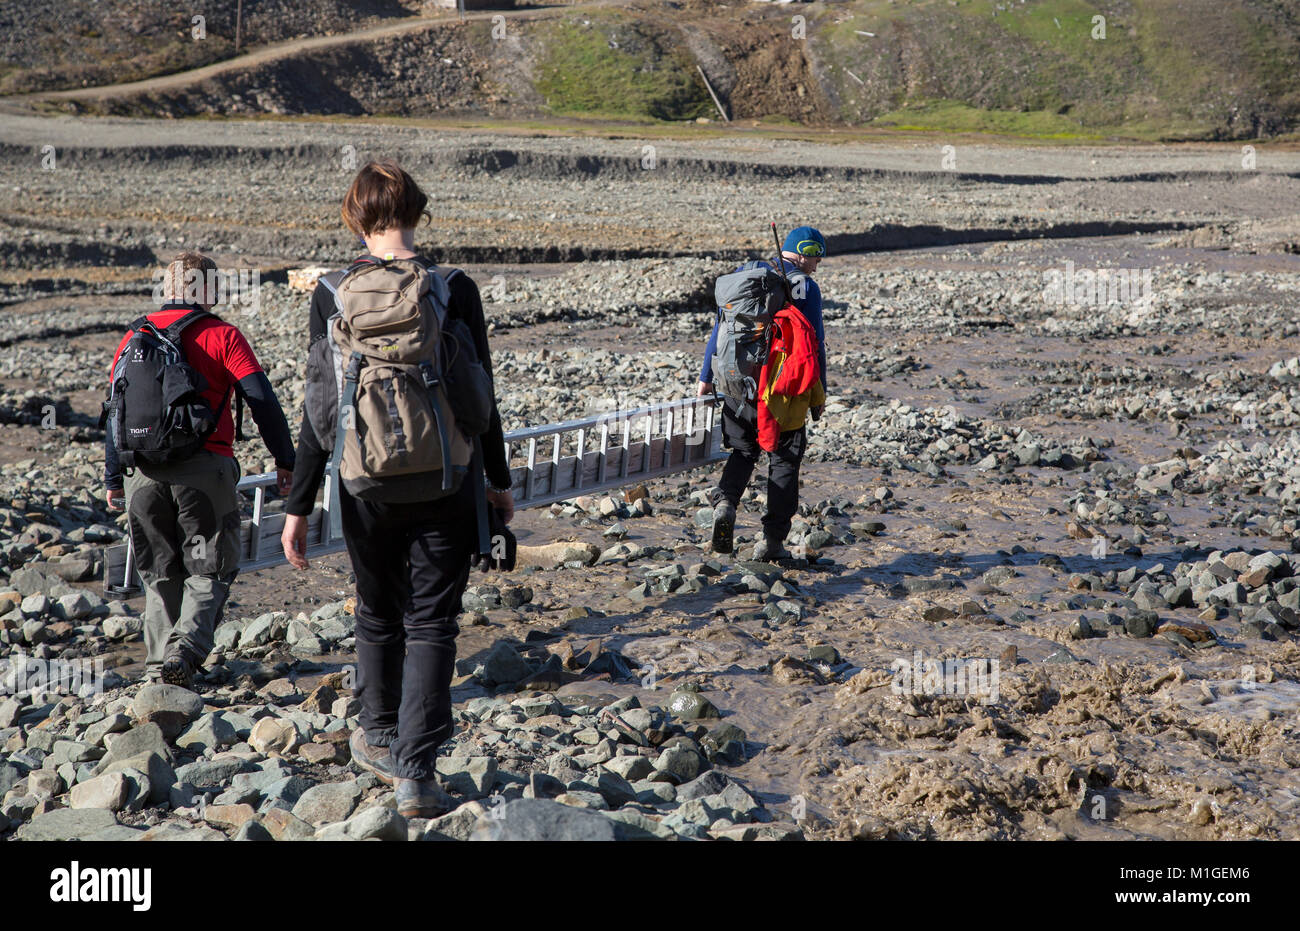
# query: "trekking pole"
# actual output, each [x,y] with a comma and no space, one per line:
[780,265]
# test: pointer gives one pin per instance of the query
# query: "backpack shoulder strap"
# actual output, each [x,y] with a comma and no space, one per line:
[331,281]
[439,293]
[173,331]
[138,322]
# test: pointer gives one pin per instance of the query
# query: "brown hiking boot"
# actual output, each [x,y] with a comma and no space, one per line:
[421,798]
[373,759]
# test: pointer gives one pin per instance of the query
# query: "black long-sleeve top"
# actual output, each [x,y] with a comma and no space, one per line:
[309,469]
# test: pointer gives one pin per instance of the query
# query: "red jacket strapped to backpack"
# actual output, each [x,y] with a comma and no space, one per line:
[792,369]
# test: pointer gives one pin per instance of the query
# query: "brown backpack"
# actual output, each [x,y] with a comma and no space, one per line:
[398,438]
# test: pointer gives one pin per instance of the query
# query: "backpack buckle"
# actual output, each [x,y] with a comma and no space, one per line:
[430,376]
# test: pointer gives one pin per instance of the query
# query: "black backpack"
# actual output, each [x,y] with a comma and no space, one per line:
[155,409]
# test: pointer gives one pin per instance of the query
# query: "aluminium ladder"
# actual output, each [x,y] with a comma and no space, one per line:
[594,454]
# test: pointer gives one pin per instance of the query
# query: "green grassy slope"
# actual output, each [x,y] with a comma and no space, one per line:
[1165,69]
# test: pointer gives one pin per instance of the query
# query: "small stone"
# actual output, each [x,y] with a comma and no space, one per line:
[378,823]
[65,824]
[680,763]
[321,700]
[469,776]
[273,736]
[228,817]
[211,731]
[45,784]
[168,706]
[455,825]
[284,825]
[540,819]
[35,606]
[284,792]
[631,768]
[253,831]
[108,792]
[691,706]
[159,773]
[171,831]
[144,738]
[1141,623]
[504,665]
[122,627]
[616,790]
[333,801]
[711,783]
[74,606]
[321,753]
[1192,631]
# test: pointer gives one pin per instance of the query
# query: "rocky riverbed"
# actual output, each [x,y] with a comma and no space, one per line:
[1048,584]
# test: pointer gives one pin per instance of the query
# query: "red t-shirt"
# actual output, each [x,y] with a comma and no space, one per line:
[217,351]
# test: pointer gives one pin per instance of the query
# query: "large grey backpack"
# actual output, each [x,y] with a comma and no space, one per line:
[748,300]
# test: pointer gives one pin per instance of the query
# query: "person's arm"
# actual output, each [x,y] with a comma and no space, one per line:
[113,493]
[251,382]
[269,417]
[310,460]
[812,312]
[468,306]
[706,372]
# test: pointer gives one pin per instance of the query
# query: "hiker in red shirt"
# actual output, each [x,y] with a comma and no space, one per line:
[183,514]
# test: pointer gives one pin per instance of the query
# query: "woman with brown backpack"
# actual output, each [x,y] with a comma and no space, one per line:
[399,387]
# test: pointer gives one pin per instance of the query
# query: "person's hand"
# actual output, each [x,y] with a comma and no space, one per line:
[505,501]
[283,480]
[294,540]
[705,389]
[817,411]
[115,498]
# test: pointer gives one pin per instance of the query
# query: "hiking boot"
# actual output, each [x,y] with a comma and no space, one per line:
[178,669]
[421,798]
[766,550]
[724,524]
[372,759]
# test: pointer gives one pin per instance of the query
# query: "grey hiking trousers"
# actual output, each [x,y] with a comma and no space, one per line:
[184,523]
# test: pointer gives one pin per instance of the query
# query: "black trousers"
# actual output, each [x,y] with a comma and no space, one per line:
[412,565]
[740,434]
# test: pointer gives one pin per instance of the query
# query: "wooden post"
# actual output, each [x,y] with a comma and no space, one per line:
[239,22]
[709,88]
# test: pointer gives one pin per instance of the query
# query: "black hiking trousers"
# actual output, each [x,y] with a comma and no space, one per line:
[412,564]
[740,434]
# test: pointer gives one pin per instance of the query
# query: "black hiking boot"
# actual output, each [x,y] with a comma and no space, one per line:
[178,669]
[372,759]
[767,550]
[724,526]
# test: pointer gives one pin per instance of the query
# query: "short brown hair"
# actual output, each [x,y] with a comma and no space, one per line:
[383,197]
[187,277]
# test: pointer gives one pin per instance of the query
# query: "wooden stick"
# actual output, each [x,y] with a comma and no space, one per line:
[709,88]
